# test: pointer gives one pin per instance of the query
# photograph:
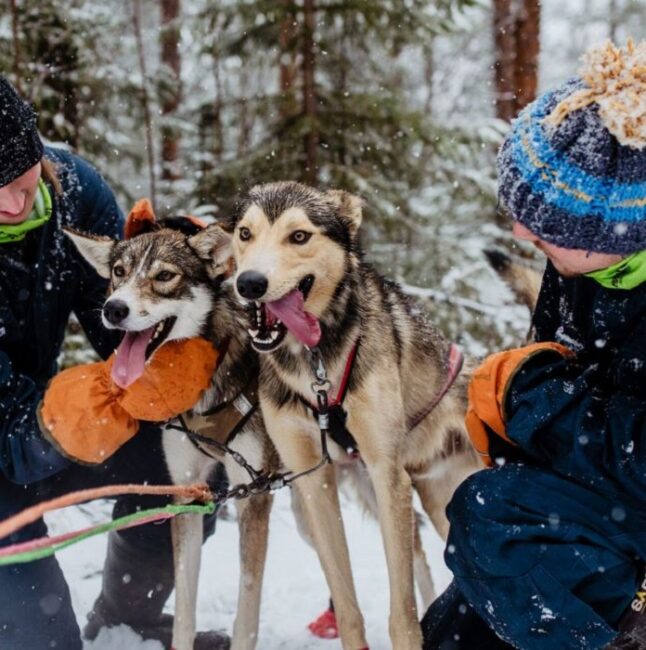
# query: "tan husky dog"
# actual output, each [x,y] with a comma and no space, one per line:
[299,263]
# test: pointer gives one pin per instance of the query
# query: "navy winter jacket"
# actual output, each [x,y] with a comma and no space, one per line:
[586,419]
[42,280]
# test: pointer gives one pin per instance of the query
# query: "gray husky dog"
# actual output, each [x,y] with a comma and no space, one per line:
[166,285]
[400,399]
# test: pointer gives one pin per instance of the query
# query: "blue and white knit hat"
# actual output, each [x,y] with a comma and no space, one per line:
[573,168]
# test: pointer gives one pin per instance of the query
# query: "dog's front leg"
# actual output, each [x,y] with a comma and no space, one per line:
[379,434]
[253,521]
[187,533]
[299,451]
[253,524]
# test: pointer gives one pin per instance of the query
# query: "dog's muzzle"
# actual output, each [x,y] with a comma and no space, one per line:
[115,311]
[252,285]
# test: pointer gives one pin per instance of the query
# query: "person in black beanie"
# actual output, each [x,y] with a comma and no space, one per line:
[42,280]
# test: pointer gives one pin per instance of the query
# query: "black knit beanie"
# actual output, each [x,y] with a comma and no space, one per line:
[20,145]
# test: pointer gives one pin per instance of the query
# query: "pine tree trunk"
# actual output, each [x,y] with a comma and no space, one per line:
[218,128]
[15,34]
[516,37]
[528,47]
[244,114]
[170,86]
[288,66]
[145,100]
[612,20]
[309,92]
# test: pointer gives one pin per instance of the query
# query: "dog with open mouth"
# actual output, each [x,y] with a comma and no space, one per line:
[398,396]
[170,282]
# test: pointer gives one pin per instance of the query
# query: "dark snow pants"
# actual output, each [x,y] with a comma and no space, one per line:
[35,607]
[546,562]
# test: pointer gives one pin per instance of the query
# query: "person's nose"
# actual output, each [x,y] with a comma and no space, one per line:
[520,232]
[12,201]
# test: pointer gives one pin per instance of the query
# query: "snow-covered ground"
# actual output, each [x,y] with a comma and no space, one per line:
[294,589]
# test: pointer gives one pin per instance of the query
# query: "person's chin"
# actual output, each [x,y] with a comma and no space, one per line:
[12,221]
[565,272]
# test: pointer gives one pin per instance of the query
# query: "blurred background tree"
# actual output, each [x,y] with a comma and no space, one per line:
[401,101]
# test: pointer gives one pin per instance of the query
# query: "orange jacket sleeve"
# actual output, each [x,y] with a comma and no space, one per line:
[488,391]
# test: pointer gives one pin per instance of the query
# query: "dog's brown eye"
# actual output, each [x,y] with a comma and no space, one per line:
[245,234]
[300,237]
[165,276]
[118,271]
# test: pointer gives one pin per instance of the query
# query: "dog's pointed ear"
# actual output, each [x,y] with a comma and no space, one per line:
[213,245]
[96,250]
[141,219]
[350,208]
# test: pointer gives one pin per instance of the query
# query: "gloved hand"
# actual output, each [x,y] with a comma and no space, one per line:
[87,416]
[488,391]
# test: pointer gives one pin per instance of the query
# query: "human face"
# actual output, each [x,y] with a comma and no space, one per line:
[569,262]
[17,198]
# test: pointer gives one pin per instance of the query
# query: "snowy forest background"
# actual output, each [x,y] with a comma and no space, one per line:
[402,101]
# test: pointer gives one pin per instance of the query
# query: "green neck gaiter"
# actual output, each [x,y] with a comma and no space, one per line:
[40,214]
[626,274]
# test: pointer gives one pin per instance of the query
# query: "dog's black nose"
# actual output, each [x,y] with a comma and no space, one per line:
[252,285]
[115,311]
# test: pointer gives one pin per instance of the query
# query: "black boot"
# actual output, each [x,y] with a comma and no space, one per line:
[135,588]
[450,623]
[632,626]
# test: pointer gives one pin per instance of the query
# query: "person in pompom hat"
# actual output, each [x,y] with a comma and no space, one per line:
[548,545]
[42,280]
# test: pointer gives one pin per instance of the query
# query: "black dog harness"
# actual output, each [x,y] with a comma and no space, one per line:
[338,430]
[219,425]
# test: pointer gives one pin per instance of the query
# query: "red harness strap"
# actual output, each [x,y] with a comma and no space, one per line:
[338,431]
[454,365]
[343,386]
[344,438]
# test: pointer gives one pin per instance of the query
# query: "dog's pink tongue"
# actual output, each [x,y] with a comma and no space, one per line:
[303,325]
[131,357]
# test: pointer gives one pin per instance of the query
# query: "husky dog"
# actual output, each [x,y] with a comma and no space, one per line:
[300,265]
[522,279]
[165,285]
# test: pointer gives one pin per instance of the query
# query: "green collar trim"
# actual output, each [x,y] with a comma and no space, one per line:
[625,274]
[39,215]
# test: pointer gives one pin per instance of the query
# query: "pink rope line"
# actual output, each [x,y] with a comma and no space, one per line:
[45,542]
[198,492]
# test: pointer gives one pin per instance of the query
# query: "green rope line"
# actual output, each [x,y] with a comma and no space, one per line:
[115,524]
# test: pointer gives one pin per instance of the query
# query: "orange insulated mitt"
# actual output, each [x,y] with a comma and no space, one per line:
[488,390]
[89,411]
